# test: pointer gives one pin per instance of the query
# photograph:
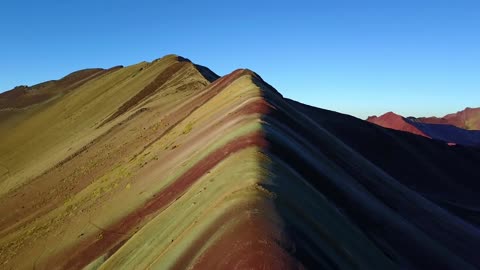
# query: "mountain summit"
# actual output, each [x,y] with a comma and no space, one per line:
[164,165]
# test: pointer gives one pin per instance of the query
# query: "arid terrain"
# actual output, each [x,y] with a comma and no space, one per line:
[166,165]
[461,128]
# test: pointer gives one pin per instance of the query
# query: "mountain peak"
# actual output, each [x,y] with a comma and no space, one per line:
[391,114]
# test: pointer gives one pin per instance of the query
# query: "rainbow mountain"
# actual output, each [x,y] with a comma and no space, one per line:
[165,165]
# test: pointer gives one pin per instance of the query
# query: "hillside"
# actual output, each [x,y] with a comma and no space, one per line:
[395,121]
[164,165]
[469,119]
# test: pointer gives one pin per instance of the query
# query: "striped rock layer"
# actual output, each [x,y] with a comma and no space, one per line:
[164,165]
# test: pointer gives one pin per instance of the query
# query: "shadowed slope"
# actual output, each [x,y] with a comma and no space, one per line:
[231,175]
[419,195]
[448,133]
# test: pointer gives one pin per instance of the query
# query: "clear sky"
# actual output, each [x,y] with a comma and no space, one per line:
[414,57]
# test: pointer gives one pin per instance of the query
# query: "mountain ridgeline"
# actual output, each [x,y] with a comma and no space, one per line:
[165,165]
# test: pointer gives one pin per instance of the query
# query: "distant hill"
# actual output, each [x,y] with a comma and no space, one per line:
[458,128]
[467,119]
[395,121]
[165,165]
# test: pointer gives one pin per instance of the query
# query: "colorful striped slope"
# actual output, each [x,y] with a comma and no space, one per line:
[164,165]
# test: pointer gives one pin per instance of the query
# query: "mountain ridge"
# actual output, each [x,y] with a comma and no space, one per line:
[455,128]
[226,174]
[464,119]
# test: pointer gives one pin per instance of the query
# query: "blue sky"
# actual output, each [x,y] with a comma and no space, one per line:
[357,57]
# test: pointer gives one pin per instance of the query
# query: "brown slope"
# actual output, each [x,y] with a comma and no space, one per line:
[467,119]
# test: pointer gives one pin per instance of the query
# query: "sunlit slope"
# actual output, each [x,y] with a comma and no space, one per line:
[49,166]
[37,137]
[24,96]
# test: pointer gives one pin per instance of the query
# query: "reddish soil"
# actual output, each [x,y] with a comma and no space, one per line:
[93,247]
[395,121]
[251,240]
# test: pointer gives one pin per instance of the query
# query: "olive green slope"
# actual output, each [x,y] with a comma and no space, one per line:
[56,150]
[36,138]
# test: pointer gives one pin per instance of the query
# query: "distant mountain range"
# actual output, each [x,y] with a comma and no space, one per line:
[165,165]
[462,127]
